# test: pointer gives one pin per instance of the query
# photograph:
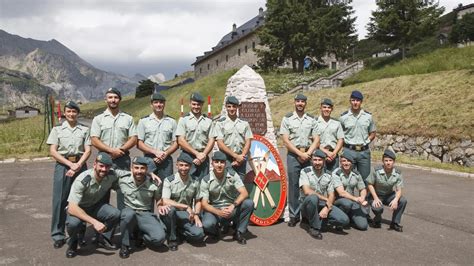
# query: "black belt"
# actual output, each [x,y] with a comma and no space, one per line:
[357,147]
[142,210]
[329,148]
[73,158]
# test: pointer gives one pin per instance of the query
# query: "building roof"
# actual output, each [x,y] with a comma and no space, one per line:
[27,108]
[461,7]
[232,37]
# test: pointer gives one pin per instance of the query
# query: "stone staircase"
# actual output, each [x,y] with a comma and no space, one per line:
[333,81]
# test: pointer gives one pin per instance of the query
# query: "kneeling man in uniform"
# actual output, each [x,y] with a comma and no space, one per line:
[225,199]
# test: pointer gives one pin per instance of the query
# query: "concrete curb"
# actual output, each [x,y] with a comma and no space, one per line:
[436,170]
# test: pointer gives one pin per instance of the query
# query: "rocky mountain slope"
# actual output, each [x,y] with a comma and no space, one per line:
[54,65]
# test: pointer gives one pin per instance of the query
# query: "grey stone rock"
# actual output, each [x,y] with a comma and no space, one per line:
[424,155]
[435,142]
[410,144]
[469,161]
[469,151]
[433,158]
[399,138]
[437,150]
[457,154]
[465,143]
[446,158]
[426,145]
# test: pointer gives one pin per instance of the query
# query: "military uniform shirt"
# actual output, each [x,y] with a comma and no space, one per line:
[70,141]
[196,131]
[175,189]
[383,184]
[234,133]
[221,193]
[156,133]
[357,128]
[86,191]
[351,183]
[113,131]
[139,197]
[323,184]
[329,132]
[299,130]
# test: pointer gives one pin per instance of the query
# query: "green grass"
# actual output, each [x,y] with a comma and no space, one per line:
[282,80]
[22,137]
[377,156]
[439,60]
[437,104]
[182,77]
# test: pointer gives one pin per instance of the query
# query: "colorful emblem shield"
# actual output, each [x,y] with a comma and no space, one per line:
[266,182]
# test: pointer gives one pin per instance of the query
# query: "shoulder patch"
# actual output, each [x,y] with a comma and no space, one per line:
[86,180]
[169,116]
[344,113]
[206,178]
[221,119]
[335,119]
[310,115]
[144,117]
[170,178]
[355,171]
[289,114]
[231,171]
[205,115]
[338,171]
[307,169]
[187,114]
[378,168]
[398,171]
[367,112]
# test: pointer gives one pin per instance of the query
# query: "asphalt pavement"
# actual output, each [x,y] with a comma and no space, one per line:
[438,229]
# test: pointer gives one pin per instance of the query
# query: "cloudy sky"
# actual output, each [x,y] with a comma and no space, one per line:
[142,36]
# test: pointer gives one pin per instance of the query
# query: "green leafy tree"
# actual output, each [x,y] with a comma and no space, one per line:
[295,29]
[401,23]
[145,88]
[463,30]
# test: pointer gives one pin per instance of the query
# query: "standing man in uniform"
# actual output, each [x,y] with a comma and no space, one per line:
[194,133]
[156,137]
[233,137]
[353,204]
[330,133]
[299,133]
[86,203]
[317,193]
[224,198]
[359,130]
[114,132]
[70,147]
[179,192]
[140,193]
[385,186]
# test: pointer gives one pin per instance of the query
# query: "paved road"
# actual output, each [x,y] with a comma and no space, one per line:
[438,230]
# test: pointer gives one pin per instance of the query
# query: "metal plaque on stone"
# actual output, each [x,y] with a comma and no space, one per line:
[254,113]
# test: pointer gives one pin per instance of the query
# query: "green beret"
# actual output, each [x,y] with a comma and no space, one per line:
[327,101]
[157,97]
[197,97]
[140,160]
[114,91]
[72,105]
[357,95]
[184,157]
[219,156]
[348,156]
[232,100]
[319,153]
[390,154]
[300,96]
[104,158]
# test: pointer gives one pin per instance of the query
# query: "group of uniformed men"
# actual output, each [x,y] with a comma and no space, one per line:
[195,201]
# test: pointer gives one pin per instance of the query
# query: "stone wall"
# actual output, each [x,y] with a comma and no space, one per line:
[230,57]
[435,149]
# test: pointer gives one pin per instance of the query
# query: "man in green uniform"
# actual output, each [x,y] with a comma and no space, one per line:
[233,136]
[70,147]
[141,193]
[299,133]
[359,130]
[330,133]
[156,136]
[194,133]
[352,203]
[114,132]
[179,192]
[385,186]
[224,198]
[86,204]
[317,195]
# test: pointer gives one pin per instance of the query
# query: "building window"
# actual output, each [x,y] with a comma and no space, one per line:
[227,58]
[238,52]
[200,70]
[333,65]
[245,48]
[253,45]
[217,62]
[208,66]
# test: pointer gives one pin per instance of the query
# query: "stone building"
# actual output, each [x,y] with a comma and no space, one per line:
[24,111]
[234,50]
[463,10]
